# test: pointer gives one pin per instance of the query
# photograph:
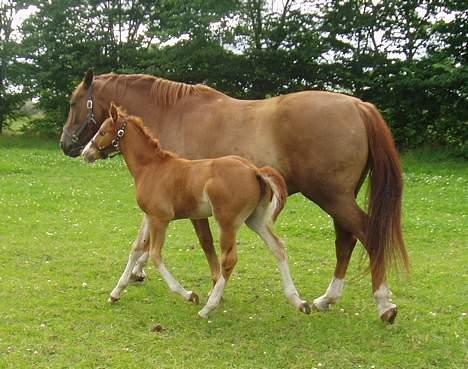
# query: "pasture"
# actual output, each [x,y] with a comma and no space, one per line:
[65,233]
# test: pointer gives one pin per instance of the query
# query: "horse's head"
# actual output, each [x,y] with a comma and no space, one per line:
[106,140]
[82,121]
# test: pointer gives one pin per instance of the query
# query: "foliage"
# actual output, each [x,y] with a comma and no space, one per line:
[12,72]
[65,236]
[408,57]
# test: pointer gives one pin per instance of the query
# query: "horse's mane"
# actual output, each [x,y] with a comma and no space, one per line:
[165,93]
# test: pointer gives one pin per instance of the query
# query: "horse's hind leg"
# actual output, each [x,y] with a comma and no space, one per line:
[202,228]
[351,220]
[344,246]
[157,237]
[259,225]
[138,251]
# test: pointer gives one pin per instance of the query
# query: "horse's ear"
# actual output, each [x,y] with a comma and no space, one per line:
[114,112]
[88,78]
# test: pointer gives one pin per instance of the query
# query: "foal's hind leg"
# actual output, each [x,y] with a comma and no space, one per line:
[258,225]
[157,237]
[138,250]
[228,261]
[138,274]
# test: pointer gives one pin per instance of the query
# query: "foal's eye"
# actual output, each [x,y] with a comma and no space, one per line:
[72,104]
[101,133]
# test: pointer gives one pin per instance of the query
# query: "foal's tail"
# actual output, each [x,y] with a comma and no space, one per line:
[384,237]
[276,191]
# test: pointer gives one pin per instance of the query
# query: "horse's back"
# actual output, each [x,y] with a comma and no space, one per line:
[317,140]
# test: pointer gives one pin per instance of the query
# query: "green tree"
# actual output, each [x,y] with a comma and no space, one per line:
[11,70]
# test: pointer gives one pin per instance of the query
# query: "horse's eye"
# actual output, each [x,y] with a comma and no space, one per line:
[101,133]
[72,104]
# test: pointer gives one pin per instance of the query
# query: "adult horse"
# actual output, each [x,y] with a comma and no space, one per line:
[324,144]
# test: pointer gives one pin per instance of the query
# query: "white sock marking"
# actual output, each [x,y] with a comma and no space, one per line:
[383,298]
[173,284]
[332,294]
[214,298]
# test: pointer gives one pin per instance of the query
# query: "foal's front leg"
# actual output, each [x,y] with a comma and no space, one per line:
[157,236]
[202,229]
[138,251]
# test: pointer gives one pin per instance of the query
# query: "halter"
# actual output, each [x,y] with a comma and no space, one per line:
[90,118]
[115,142]
[120,134]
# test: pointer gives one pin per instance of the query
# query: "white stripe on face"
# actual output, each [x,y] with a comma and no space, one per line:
[89,153]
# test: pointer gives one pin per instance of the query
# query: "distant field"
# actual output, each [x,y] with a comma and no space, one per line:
[65,232]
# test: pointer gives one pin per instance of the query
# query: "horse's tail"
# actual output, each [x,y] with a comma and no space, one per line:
[276,191]
[384,237]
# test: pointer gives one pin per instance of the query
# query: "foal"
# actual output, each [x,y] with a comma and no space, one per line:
[230,188]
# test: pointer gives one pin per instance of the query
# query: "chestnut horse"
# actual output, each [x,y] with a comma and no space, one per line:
[324,144]
[230,188]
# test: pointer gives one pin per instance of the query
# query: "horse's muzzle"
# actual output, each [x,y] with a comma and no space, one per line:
[71,150]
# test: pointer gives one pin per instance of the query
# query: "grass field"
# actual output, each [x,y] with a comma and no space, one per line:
[65,232]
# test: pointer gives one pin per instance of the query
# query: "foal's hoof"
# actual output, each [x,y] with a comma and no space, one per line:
[321,304]
[113,299]
[305,307]
[203,313]
[390,315]
[137,277]
[194,298]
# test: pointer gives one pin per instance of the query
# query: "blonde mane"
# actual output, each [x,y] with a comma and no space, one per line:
[164,93]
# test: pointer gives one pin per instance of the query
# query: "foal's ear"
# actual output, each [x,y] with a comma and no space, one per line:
[88,78]
[113,112]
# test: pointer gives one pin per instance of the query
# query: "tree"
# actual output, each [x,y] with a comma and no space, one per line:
[11,94]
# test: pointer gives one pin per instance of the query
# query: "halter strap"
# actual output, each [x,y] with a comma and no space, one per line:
[90,117]
[120,134]
[115,142]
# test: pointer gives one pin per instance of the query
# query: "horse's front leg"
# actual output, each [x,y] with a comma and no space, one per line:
[139,249]
[202,228]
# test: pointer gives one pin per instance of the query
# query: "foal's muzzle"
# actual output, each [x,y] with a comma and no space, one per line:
[90,154]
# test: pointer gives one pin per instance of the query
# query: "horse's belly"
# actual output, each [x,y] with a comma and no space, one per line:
[201,211]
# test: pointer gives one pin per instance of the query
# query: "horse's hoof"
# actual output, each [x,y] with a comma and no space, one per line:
[390,315]
[113,299]
[305,308]
[194,298]
[137,277]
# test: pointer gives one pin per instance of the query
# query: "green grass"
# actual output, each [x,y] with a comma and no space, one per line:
[65,232]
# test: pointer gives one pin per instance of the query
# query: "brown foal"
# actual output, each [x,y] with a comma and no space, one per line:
[229,188]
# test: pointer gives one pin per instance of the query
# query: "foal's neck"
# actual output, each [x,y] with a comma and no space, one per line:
[140,150]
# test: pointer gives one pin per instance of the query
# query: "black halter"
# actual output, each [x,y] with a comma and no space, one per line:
[90,119]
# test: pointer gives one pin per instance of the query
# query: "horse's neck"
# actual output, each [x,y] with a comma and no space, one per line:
[138,150]
[136,101]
